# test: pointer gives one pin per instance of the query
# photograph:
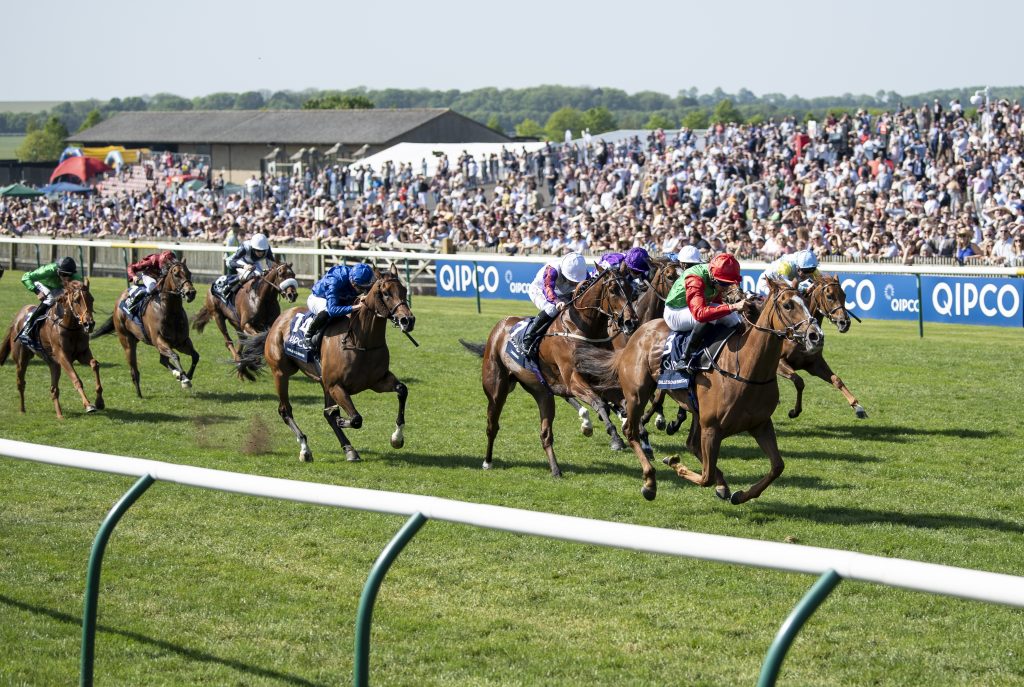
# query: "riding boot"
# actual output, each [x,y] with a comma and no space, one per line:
[315,332]
[692,350]
[25,335]
[533,335]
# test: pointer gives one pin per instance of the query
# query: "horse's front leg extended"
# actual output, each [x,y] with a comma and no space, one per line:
[172,362]
[765,436]
[390,383]
[86,358]
[219,319]
[581,390]
[636,436]
[55,389]
[822,370]
[69,367]
[789,373]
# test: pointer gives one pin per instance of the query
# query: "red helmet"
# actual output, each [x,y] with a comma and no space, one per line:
[166,257]
[725,268]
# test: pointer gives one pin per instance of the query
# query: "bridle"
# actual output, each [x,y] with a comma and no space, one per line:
[818,303]
[383,309]
[790,333]
[283,282]
[618,320]
[68,299]
[181,288]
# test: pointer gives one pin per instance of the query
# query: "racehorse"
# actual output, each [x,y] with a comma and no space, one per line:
[739,394]
[256,306]
[64,336]
[604,297]
[354,357]
[164,326]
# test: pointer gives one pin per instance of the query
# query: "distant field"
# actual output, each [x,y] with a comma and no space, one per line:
[8,145]
[27,105]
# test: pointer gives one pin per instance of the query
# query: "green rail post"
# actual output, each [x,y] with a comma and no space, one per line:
[92,579]
[793,624]
[39,257]
[361,669]
[124,251]
[476,287]
[408,281]
[920,310]
[81,262]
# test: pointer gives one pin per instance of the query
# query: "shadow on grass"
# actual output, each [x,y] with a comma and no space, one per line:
[864,516]
[191,654]
[154,416]
[888,434]
[755,453]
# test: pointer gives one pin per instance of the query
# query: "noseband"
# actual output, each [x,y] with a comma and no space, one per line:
[186,281]
[381,301]
[790,332]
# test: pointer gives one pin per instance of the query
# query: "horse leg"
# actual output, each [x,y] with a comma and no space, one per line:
[87,358]
[130,345]
[822,370]
[497,386]
[54,389]
[284,409]
[189,349]
[586,426]
[708,446]
[673,426]
[636,435]
[218,318]
[170,360]
[390,383]
[789,373]
[546,406]
[765,436]
[69,367]
[342,401]
[656,410]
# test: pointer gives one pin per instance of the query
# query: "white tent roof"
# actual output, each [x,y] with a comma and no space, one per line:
[416,153]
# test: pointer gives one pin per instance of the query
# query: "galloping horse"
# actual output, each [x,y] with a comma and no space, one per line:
[354,357]
[64,336]
[602,298]
[825,299]
[738,395]
[164,326]
[256,306]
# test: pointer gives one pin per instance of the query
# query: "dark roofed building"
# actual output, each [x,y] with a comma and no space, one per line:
[237,140]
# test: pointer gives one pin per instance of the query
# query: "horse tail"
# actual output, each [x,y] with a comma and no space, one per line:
[599,365]
[250,356]
[5,347]
[104,328]
[201,319]
[474,348]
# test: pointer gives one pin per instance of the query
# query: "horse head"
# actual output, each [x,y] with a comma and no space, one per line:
[666,273]
[786,316]
[388,298]
[282,276]
[77,302]
[826,296]
[177,278]
[610,292]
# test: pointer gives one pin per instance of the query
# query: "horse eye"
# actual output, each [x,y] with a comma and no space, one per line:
[788,305]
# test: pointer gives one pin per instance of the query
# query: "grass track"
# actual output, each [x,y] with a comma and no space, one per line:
[208,588]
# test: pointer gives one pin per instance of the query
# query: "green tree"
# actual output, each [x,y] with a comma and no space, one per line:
[92,119]
[529,128]
[659,121]
[43,144]
[695,119]
[494,123]
[250,100]
[599,120]
[169,102]
[726,113]
[567,118]
[337,101]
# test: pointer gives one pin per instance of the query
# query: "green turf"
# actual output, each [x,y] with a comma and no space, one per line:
[209,588]
[9,146]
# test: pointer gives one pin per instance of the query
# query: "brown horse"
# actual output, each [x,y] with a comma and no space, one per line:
[739,394]
[256,306]
[64,335]
[164,326]
[354,358]
[602,298]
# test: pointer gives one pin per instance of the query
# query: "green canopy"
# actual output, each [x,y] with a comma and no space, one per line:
[194,185]
[20,191]
[231,189]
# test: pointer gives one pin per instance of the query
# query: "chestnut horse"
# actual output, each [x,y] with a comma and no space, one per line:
[354,358]
[600,299]
[64,335]
[164,325]
[256,306]
[739,394]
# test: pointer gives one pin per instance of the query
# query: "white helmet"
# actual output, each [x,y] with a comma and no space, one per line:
[259,242]
[573,267]
[690,255]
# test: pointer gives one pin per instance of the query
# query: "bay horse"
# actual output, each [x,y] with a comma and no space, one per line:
[738,395]
[64,336]
[164,326]
[256,306]
[354,358]
[604,297]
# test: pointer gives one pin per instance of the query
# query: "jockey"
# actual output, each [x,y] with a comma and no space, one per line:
[48,283]
[796,269]
[334,295]
[550,290]
[637,260]
[252,257]
[689,256]
[696,300]
[144,273]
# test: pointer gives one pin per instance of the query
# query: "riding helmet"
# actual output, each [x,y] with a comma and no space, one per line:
[259,242]
[806,260]
[690,255]
[573,267]
[361,276]
[725,268]
[638,260]
[67,267]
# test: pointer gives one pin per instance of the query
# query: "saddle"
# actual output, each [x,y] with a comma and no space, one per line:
[672,354]
[296,345]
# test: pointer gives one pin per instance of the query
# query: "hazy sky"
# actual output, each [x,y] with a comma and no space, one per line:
[63,50]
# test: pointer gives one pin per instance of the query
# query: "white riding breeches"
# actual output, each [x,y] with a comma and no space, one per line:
[681,320]
[316,304]
[148,282]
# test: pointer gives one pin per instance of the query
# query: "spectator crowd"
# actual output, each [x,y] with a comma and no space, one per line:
[917,184]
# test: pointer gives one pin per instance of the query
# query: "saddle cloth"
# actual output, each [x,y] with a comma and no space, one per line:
[514,346]
[141,302]
[672,354]
[297,344]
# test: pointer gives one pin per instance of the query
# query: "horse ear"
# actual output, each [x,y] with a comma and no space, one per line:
[86,282]
[599,268]
[394,269]
[184,261]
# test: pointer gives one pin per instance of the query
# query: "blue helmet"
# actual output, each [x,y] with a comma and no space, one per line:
[805,260]
[361,276]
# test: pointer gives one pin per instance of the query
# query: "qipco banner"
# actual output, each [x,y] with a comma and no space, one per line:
[978,300]
[872,296]
[493,279]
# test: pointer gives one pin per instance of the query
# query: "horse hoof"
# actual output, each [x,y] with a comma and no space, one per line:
[737,498]
[723,493]
[397,443]
[100,405]
[617,444]
[186,384]
[486,465]
[659,422]
[175,374]
[793,413]
[306,456]
[352,457]
[671,428]
[670,461]
[648,493]
[557,474]
[861,413]
[588,430]
[91,408]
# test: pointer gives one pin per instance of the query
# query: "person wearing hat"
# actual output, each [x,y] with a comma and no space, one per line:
[335,295]
[796,269]
[253,257]
[688,256]
[143,274]
[47,283]
[550,291]
[695,301]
